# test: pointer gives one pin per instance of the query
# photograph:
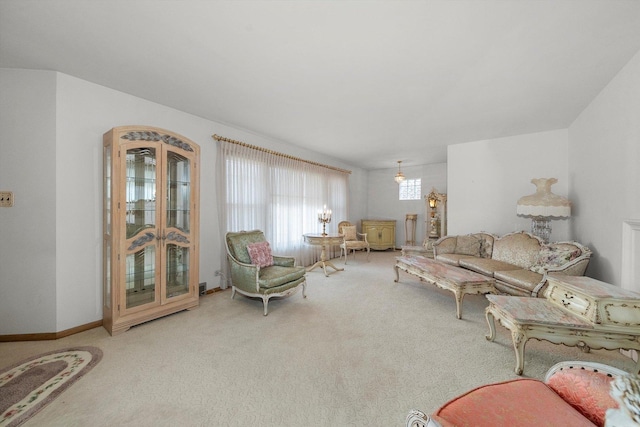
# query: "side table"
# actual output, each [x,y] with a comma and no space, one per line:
[323,241]
[541,319]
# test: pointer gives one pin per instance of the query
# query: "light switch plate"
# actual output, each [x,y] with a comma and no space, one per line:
[6,199]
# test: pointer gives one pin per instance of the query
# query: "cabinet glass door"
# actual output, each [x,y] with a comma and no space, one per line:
[178,221]
[141,226]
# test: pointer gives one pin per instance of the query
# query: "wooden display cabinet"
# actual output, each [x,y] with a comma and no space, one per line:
[150,226]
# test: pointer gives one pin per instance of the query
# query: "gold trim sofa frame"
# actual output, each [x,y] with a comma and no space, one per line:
[512,259]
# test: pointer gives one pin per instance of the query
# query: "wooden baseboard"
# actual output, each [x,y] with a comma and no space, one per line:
[50,335]
[213,291]
[45,336]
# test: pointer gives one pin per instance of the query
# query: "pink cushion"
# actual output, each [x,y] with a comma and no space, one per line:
[585,390]
[260,254]
[514,403]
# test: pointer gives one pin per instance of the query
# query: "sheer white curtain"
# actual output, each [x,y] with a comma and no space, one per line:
[279,195]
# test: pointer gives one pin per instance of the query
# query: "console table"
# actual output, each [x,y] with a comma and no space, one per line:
[576,311]
[324,241]
[381,233]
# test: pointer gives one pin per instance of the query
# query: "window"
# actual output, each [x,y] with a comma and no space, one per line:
[279,195]
[410,189]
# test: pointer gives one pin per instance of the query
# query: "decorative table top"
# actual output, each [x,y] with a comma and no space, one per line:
[319,239]
[539,311]
[595,288]
[440,269]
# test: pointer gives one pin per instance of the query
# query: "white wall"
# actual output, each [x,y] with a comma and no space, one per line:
[604,167]
[28,229]
[383,198]
[486,179]
[51,242]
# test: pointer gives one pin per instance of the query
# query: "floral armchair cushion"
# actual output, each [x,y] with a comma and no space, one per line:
[554,255]
[260,254]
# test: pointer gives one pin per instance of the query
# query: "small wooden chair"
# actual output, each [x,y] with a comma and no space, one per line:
[353,240]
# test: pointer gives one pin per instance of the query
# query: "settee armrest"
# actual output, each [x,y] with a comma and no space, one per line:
[586,386]
[575,267]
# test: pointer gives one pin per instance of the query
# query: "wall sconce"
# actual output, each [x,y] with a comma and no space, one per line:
[399,176]
[542,206]
[433,200]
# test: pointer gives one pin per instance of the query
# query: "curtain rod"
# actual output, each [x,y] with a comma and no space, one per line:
[275,153]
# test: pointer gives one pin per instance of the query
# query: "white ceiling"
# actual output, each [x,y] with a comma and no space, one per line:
[370,82]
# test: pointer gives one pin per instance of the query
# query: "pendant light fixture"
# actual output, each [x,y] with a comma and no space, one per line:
[399,176]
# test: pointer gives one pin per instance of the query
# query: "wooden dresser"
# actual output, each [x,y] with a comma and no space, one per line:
[381,233]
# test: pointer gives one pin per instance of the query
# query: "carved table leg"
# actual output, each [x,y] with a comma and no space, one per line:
[395,267]
[492,324]
[519,342]
[459,296]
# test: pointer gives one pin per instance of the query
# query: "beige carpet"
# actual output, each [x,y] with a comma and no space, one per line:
[360,350]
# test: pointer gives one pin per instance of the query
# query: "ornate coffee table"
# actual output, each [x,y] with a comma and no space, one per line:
[324,241]
[454,279]
[577,311]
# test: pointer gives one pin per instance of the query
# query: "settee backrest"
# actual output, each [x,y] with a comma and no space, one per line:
[475,244]
[520,248]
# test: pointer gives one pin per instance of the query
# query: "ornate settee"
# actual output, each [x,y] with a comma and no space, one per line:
[572,394]
[518,261]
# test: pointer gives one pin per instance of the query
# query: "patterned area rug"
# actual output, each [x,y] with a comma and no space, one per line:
[28,386]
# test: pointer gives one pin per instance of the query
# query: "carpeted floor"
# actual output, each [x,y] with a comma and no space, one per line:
[360,350]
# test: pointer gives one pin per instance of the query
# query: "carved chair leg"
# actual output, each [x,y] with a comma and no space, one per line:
[233,292]
[265,301]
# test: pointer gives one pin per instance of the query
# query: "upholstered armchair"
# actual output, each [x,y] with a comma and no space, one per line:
[353,241]
[572,394]
[255,272]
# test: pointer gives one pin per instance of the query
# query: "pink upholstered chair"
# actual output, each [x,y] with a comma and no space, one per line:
[572,394]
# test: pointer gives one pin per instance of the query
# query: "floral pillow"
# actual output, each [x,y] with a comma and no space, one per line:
[553,256]
[349,232]
[260,254]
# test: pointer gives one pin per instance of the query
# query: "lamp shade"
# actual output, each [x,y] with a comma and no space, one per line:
[543,203]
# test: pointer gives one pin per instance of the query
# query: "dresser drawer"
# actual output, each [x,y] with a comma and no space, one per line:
[606,306]
[575,302]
